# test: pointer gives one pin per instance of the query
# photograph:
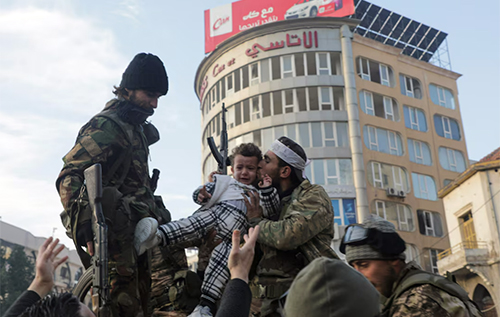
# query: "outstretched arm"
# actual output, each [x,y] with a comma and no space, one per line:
[46,264]
[237,296]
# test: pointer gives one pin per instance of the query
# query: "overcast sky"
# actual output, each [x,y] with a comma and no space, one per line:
[59,60]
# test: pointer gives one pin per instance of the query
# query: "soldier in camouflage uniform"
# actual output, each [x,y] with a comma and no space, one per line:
[376,250]
[119,138]
[302,231]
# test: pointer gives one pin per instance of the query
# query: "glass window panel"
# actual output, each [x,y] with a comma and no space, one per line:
[299,64]
[245,76]
[246,110]
[254,73]
[237,113]
[290,132]
[255,108]
[319,172]
[264,70]
[267,138]
[342,135]
[301,98]
[304,135]
[287,66]
[313,98]
[311,63]
[277,103]
[279,131]
[266,105]
[316,134]
[237,80]
[332,176]
[276,67]
[346,177]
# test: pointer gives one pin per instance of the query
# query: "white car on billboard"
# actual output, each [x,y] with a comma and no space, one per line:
[309,8]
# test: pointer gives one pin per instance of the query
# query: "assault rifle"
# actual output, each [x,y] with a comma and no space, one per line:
[100,286]
[221,156]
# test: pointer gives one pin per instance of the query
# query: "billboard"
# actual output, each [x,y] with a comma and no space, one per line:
[227,20]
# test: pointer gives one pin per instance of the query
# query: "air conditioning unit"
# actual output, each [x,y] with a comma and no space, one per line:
[401,193]
[391,191]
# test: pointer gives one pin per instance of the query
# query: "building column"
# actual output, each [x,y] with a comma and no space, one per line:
[351,101]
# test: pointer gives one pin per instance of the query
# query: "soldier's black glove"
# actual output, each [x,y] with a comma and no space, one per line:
[84,233]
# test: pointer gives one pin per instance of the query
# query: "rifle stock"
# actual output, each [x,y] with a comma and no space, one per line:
[100,287]
[221,156]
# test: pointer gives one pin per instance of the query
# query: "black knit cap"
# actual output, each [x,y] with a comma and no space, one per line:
[146,71]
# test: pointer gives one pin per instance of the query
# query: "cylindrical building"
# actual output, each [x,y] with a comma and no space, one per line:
[380,123]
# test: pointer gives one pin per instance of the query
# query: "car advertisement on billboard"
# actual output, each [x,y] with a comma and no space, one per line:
[227,20]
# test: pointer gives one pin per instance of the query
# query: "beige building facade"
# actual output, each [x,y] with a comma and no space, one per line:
[66,275]
[472,205]
[382,129]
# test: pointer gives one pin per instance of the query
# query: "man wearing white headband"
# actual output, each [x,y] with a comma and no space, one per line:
[301,232]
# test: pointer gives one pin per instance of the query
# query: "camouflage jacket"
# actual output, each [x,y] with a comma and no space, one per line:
[103,141]
[425,300]
[302,233]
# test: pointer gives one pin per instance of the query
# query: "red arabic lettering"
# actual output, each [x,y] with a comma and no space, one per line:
[291,40]
[217,70]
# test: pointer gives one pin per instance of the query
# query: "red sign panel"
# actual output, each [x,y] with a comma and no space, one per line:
[225,21]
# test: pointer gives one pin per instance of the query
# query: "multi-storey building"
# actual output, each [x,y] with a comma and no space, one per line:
[472,207]
[380,123]
[66,275]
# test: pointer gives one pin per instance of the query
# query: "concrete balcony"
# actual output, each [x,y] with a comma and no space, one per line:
[462,255]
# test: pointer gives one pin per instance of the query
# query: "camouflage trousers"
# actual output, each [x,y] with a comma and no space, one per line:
[129,275]
[165,262]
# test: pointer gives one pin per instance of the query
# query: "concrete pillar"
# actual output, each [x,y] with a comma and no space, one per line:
[351,102]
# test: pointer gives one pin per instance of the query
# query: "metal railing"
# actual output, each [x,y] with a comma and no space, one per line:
[462,246]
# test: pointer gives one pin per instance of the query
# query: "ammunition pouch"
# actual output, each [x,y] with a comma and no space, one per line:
[184,294]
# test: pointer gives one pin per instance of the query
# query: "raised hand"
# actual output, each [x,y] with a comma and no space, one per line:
[46,264]
[240,259]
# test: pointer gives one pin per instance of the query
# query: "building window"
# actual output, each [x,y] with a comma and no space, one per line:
[326,98]
[429,223]
[442,96]
[432,258]
[424,186]
[289,98]
[447,127]
[344,211]
[410,86]
[415,119]
[330,172]
[419,152]
[383,140]
[399,214]
[385,176]
[230,117]
[212,99]
[245,77]
[265,70]
[254,74]
[287,66]
[256,114]
[412,254]
[377,105]
[229,85]
[451,160]
[323,63]
[374,71]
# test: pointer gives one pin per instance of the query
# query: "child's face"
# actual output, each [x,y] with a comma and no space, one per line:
[245,169]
